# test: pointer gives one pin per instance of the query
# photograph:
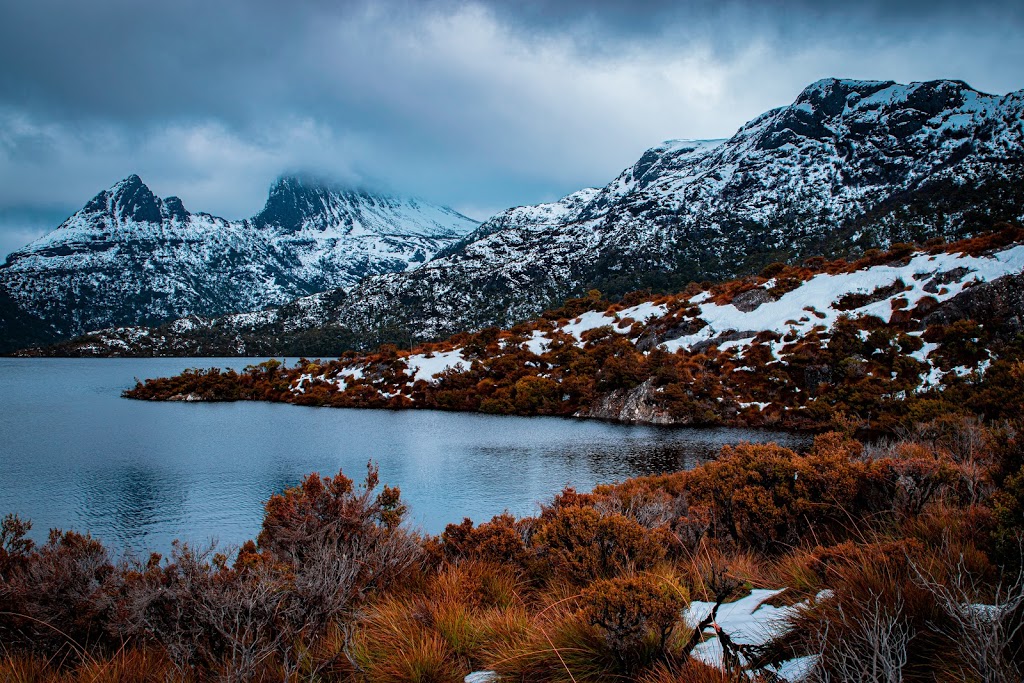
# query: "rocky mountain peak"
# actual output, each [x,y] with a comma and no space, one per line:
[173,209]
[829,96]
[296,200]
[834,97]
[128,199]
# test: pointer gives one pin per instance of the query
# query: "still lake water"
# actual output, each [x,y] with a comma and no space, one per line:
[75,455]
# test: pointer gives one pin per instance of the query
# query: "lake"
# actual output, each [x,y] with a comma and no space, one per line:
[75,455]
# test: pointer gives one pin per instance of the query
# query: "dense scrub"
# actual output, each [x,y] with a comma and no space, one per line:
[885,549]
[864,369]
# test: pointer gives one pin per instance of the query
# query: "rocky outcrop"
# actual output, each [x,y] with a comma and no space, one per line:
[633,406]
[999,303]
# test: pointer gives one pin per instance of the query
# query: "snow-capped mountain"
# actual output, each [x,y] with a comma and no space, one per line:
[130,257]
[849,165]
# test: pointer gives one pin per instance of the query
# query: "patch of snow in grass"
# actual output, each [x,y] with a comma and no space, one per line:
[423,368]
[644,312]
[748,622]
[298,388]
[538,343]
[482,677]
[348,375]
[825,288]
[591,320]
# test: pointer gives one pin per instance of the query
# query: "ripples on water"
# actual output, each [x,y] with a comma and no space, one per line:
[138,475]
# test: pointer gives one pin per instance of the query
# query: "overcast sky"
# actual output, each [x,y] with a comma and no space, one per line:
[478,105]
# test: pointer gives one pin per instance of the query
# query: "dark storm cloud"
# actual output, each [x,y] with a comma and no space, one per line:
[478,104]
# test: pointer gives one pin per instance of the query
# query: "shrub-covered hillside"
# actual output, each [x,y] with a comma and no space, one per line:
[893,338]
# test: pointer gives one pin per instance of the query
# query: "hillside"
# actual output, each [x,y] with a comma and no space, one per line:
[130,257]
[894,334]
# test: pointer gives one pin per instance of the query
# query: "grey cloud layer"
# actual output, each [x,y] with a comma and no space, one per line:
[482,105]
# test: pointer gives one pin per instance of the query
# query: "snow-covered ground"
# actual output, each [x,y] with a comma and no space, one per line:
[422,367]
[823,291]
[815,304]
[747,621]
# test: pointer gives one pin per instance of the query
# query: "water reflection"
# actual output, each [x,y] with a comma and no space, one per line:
[129,502]
[138,474]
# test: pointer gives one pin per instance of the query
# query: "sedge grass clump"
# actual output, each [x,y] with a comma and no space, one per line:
[130,665]
[615,628]
[444,631]
[423,658]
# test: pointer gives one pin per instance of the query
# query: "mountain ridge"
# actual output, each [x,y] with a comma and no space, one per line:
[798,180]
[849,166]
[129,256]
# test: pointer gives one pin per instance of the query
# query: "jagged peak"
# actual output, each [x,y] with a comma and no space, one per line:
[129,199]
[832,96]
[299,200]
[825,86]
[133,180]
[295,197]
[173,208]
[310,184]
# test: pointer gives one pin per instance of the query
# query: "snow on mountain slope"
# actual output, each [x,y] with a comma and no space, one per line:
[818,302]
[758,326]
[850,164]
[131,257]
[814,305]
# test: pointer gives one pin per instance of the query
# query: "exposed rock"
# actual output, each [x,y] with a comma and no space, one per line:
[657,334]
[633,406]
[752,298]
[731,335]
[999,303]
[939,279]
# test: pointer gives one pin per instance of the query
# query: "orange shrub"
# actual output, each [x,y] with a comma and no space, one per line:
[581,545]
[629,610]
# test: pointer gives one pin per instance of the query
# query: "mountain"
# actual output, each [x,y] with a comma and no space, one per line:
[849,166]
[130,257]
